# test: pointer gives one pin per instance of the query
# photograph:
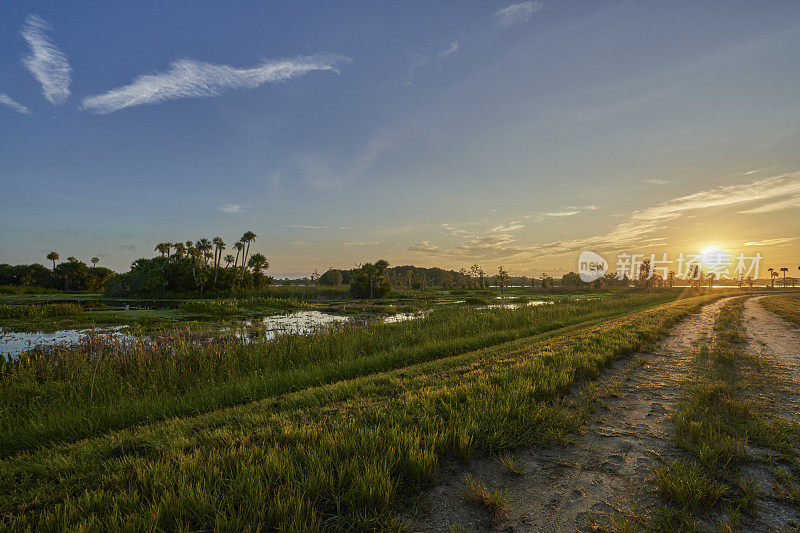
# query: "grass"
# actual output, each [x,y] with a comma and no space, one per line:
[511,465]
[495,501]
[717,420]
[31,312]
[786,306]
[336,457]
[688,484]
[68,395]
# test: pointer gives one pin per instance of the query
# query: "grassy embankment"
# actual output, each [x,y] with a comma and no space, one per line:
[88,390]
[721,418]
[786,306]
[339,456]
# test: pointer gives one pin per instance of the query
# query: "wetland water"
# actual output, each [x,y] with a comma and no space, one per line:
[261,329]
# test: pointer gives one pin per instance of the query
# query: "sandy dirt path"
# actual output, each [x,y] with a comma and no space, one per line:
[605,472]
[778,342]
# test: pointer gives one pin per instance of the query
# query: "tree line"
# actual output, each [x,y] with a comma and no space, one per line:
[195,267]
[70,275]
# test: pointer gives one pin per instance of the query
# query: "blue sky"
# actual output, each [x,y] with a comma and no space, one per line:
[432,133]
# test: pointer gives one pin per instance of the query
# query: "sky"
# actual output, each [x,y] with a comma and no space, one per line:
[430,133]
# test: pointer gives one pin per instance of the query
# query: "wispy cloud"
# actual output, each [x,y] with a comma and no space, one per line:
[654,181]
[771,207]
[195,79]
[560,213]
[771,242]
[361,243]
[296,226]
[46,62]
[640,227]
[568,212]
[491,243]
[231,208]
[13,104]
[452,49]
[644,223]
[517,13]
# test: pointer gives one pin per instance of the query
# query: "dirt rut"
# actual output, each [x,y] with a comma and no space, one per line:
[778,343]
[604,474]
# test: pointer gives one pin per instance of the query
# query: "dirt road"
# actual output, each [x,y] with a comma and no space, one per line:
[605,472]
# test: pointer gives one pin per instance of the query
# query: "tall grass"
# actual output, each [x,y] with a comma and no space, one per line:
[34,311]
[70,394]
[337,457]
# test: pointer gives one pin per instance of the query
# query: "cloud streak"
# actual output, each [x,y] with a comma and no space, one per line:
[516,14]
[452,49]
[231,208]
[196,79]
[13,104]
[46,62]
[771,242]
[641,227]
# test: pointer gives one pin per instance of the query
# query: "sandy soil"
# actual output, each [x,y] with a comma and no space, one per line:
[778,343]
[605,473]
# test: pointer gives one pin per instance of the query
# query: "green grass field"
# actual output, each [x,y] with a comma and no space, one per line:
[327,432]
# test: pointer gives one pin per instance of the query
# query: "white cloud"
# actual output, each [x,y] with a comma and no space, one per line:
[561,213]
[195,79]
[771,207]
[46,62]
[517,13]
[13,104]
[654,181]
[361,243]
[771,242]
[295,226]
[231,208]
[452,49]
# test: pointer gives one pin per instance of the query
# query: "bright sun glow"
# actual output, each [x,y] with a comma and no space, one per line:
[714,255]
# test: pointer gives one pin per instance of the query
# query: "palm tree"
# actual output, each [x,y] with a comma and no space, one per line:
[95,260]
[163,248]
[204,246]
[53,256]
[219,246]
[784,270]
[228,260]
[772,275]
[247,238]
[258,263]
[180,249]
[193,254]
[239,245]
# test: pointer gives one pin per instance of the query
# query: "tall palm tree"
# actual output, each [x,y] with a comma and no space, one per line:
[204,246]
[193,254]
[784,270]
[219,246]
[228,260]
[95,260]
[772,275]
[239,245]
[180,249]
[53,256]
[247,238]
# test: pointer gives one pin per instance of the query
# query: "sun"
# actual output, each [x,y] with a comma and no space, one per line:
[714,255]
